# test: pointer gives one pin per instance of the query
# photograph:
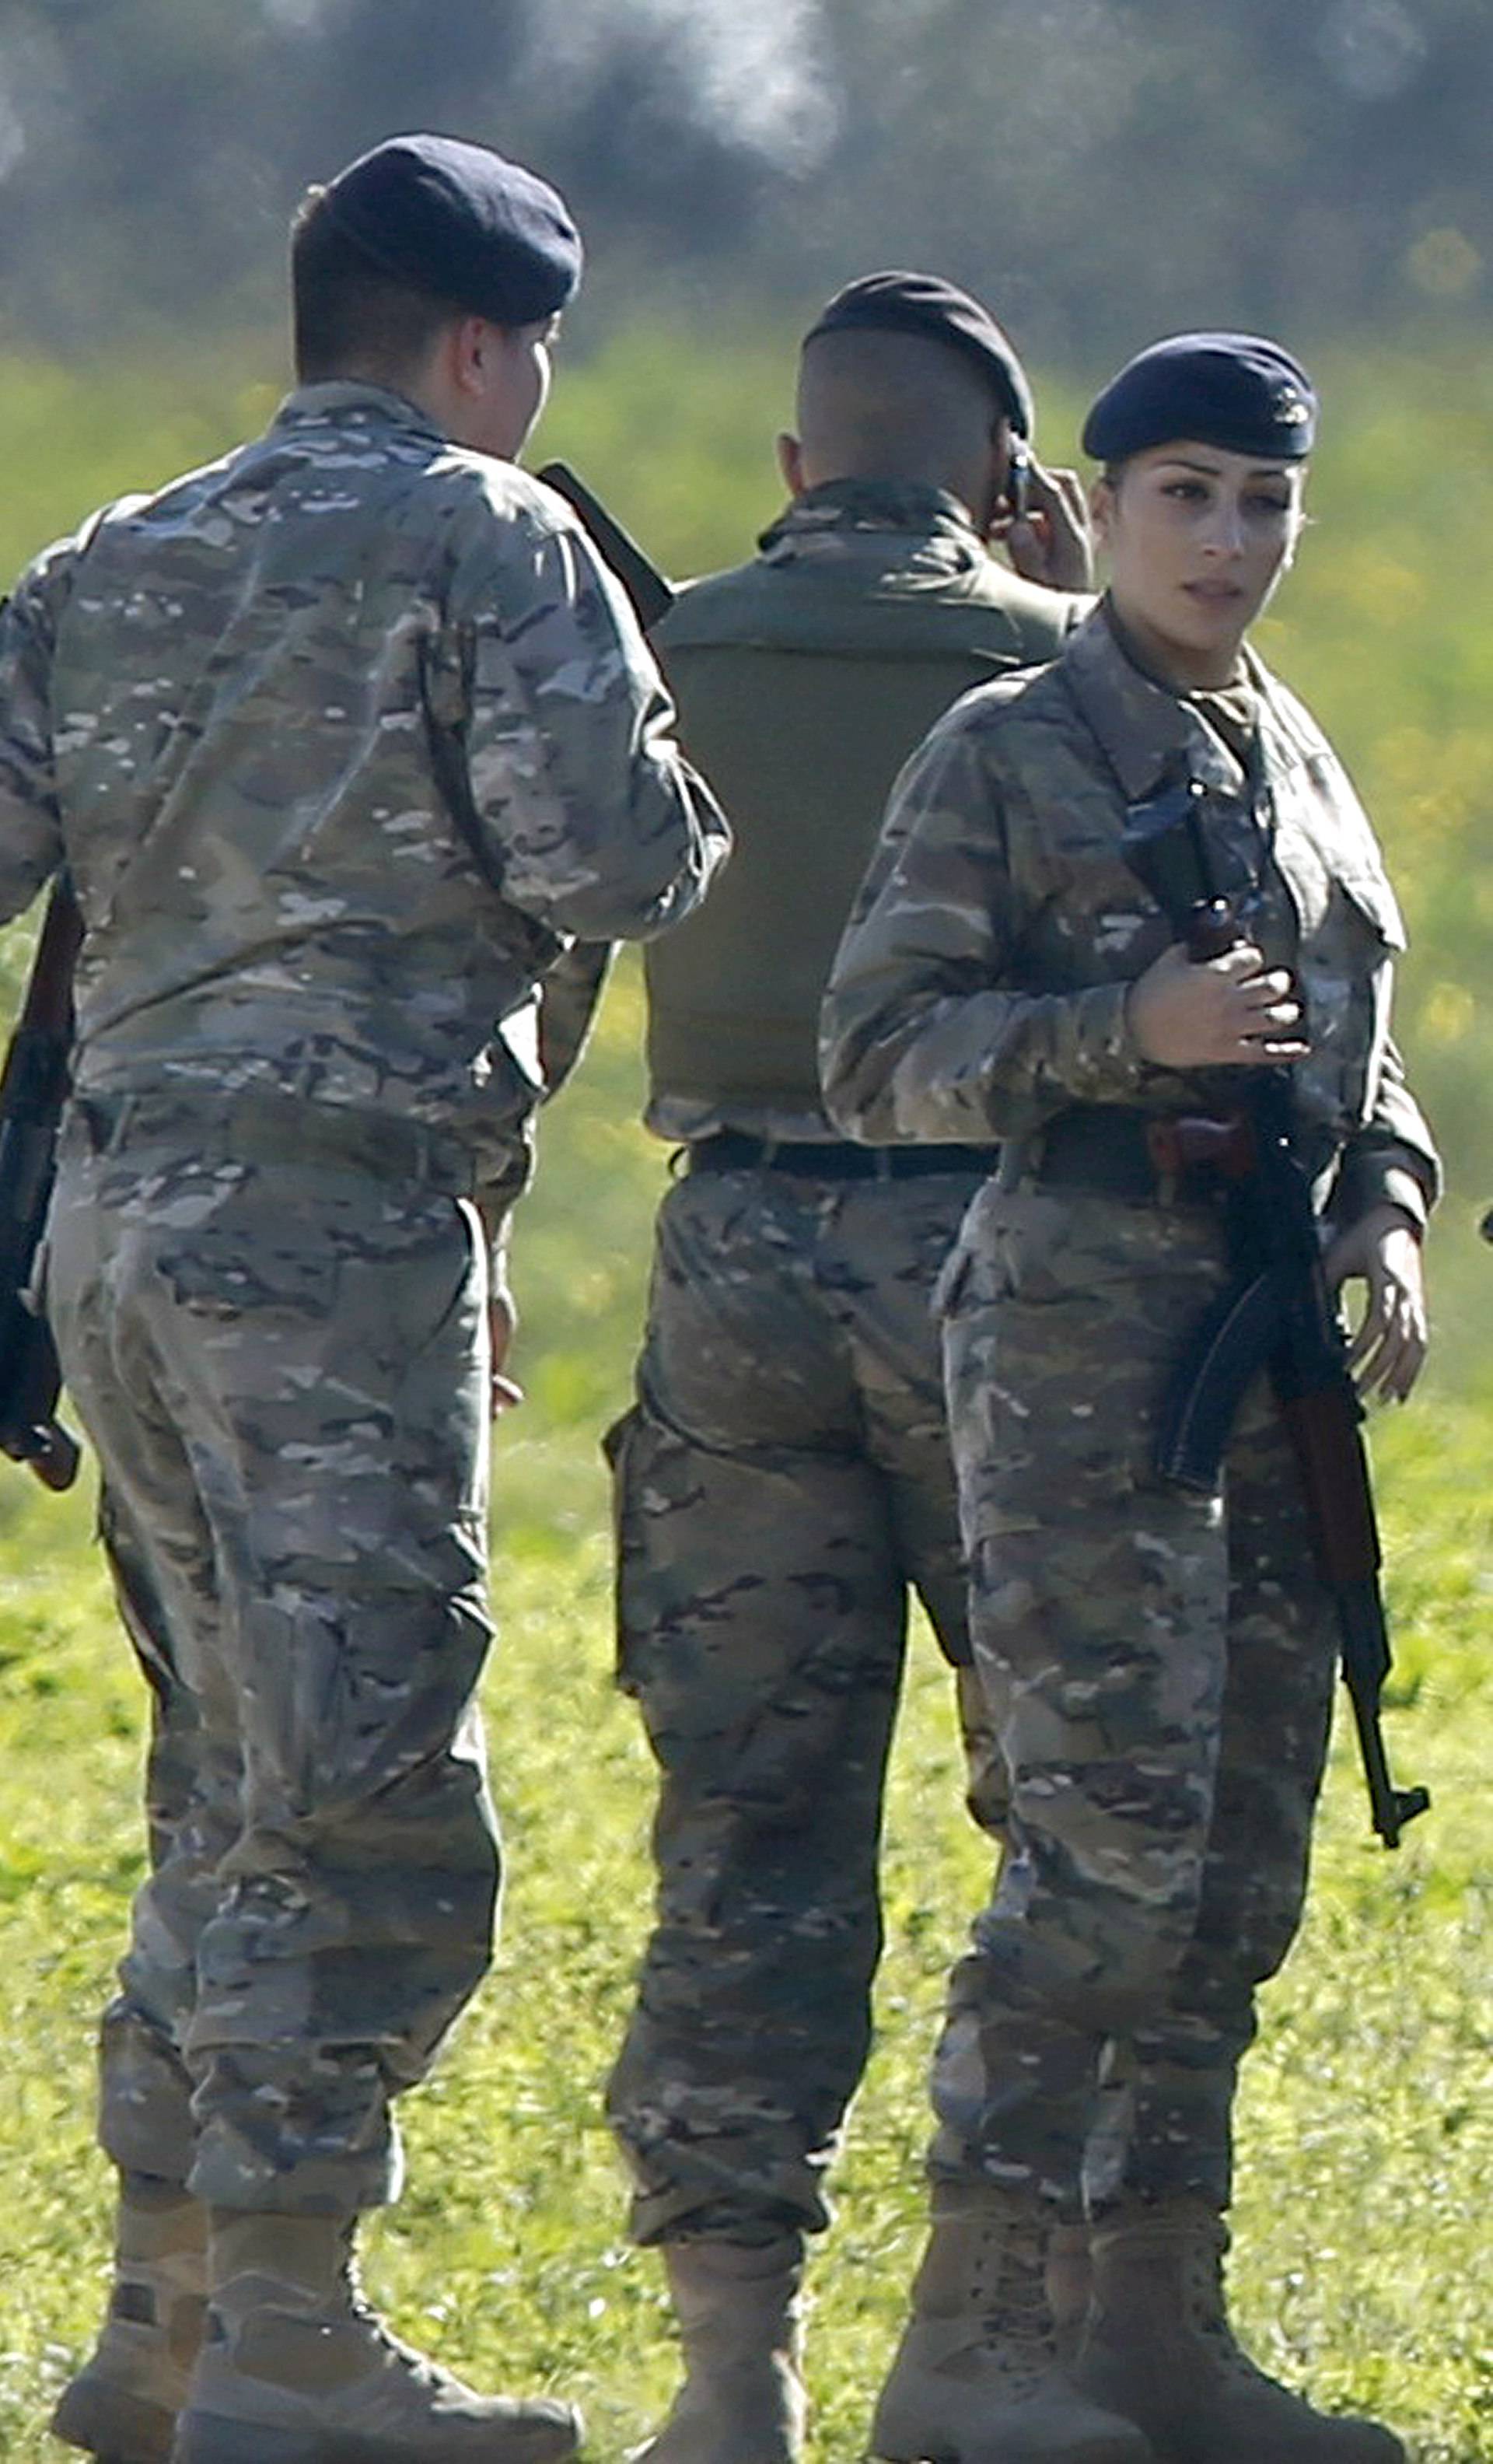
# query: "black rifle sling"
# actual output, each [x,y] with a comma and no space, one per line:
[445,691]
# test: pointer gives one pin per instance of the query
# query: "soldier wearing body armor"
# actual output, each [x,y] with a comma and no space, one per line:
[342,741]
[1162,1659]
[783,1479]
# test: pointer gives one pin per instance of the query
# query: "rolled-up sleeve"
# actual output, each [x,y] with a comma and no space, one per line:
[598,824]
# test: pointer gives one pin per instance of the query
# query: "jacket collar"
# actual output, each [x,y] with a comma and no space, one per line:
[340,401]
[1147,732]
[846,506]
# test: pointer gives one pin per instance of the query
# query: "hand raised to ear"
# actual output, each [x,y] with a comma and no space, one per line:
[1052,542]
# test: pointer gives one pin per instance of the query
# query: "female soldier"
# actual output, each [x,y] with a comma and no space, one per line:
[1161,1663]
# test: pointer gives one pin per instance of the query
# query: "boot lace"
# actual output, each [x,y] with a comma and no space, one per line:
[1011,2299]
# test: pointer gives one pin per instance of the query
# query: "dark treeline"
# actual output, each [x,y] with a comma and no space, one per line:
[1104,169]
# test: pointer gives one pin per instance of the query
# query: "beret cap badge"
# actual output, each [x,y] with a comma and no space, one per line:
[1239,392]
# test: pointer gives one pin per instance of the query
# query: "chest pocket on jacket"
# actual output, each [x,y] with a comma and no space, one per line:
[1346,975]
[1375,903]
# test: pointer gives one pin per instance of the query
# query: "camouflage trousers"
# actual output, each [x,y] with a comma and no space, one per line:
[283,1372]
[1164,1663]
[782,1482]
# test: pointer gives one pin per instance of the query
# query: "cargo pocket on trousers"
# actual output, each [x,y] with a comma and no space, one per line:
[658,1482]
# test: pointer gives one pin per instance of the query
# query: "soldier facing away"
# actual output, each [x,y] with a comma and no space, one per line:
[783,1478]
[1163,1661]
[340,741]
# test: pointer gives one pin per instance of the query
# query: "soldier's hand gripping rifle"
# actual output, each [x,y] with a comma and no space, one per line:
[32,1090]
[1276,1312]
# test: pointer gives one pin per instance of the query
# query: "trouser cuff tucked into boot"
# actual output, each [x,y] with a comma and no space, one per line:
[1159,2350]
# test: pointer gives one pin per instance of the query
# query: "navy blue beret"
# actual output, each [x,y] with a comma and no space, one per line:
[456,220]
[923,303]
[1235,391]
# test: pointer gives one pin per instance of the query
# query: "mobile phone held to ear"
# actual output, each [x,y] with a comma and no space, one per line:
[1019,471]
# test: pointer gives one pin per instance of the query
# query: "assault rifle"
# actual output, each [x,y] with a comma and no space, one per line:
[34,1088]
[1276,1312]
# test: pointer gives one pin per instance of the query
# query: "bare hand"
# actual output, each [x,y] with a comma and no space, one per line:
[503,1319]
[1228,1012]
[1388,1350]
[1052,542]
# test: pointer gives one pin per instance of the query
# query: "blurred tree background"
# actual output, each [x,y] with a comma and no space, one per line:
[1105,168]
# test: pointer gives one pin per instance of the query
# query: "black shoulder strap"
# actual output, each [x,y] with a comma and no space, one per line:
[445,693]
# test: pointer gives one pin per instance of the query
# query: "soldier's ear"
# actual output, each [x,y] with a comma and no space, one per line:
[1300,518]
[790,463]
[468,357]
[1101,507]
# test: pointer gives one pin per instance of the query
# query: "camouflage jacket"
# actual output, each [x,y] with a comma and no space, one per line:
[220,716]
[981,986]
[804,679]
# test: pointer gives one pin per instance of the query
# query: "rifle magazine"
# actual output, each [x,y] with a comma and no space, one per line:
[1234,1340]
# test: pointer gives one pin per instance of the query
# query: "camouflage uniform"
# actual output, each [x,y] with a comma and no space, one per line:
[227,715]
[785,1475]
[1165,1661]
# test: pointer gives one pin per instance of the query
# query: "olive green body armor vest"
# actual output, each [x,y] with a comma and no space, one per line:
[802,686]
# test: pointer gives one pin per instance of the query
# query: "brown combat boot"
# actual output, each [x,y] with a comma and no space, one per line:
[123,2402]
[1159,2349]
[976,2377]
[297,2368]
[742,2398]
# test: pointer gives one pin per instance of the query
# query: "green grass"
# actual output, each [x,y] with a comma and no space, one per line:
[1367,2128]
[1367,2142]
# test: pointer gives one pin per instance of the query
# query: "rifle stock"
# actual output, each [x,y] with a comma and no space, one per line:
[34,1088]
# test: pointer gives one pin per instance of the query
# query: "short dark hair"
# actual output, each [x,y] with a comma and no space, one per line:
[350,316]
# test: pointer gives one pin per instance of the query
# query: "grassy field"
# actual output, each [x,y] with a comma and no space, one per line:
[1367,2127]
[1362,2268]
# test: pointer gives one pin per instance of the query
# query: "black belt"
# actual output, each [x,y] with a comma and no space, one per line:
[1107,1151]
[834,1159]
[261,1125]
